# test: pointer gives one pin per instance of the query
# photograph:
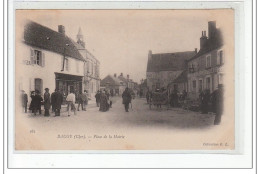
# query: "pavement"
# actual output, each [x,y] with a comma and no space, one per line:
[141,127]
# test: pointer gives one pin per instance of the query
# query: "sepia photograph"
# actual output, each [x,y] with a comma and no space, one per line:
[124,80]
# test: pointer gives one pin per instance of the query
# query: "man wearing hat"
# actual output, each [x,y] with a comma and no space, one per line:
[47,102]
[217,102]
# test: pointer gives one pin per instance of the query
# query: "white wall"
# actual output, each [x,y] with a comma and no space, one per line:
[25,74]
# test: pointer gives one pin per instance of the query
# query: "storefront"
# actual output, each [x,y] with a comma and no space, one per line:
[67,82]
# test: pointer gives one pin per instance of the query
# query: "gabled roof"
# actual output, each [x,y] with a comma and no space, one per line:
[45,38]
[111,80]
[169,61]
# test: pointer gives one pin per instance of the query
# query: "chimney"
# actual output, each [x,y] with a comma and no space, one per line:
[61,29]
[115,75]
[196,50]
[127,76]
[203,40]
[149,55]
[212,29]
[121,74]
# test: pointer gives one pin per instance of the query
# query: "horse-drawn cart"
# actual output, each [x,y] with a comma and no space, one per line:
[158,99]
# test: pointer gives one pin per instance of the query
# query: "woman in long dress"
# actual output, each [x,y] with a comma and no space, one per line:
[103,102]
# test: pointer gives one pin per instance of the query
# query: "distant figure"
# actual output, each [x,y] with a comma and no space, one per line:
[217,102]
[126,98]
[47,102]
[37,102]
[97,96]
[71,99]
[184,95]
[56,100]
[148,96]
[205,99]
[85,100]
[80,100]
[103,102]
[24,100]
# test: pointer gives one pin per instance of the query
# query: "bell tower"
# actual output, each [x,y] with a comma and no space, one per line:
[80,38]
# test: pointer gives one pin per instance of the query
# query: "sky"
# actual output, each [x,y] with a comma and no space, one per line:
[121,39]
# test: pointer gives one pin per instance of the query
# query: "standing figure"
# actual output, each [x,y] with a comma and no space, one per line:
[52,101]
[218,104]
[31,107]
[85,100]
[103,102]
[205,99]
[80,100]
[37,102]
[148,96]
[126,99]
[57,99]
[47,102]
[97,96]
[71,99]
[24,98]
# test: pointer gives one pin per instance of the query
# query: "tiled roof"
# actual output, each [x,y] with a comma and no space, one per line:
[45,38]
[111,80]
[169,61]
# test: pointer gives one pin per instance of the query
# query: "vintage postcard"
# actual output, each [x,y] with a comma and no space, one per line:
[124,80]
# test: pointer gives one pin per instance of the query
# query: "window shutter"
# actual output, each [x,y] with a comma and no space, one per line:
[32,56]
[32,84]
[43,60]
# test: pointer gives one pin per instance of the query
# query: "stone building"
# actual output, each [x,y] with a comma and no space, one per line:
[205,69]
[164,68]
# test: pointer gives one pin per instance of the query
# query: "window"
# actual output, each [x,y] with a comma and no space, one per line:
[66,64]
[220,58]
[37,57]
[220,79]
[194,85]
[208,83]
[38,85]
[192,68]
[208,61]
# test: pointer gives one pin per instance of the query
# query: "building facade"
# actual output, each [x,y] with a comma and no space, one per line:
[205,69]
[91,78]
[47,59]
[164,68]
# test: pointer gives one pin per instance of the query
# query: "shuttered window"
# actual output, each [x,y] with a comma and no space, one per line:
[37,57]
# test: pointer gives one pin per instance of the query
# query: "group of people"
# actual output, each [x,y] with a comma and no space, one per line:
[104,102]
[54,101]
